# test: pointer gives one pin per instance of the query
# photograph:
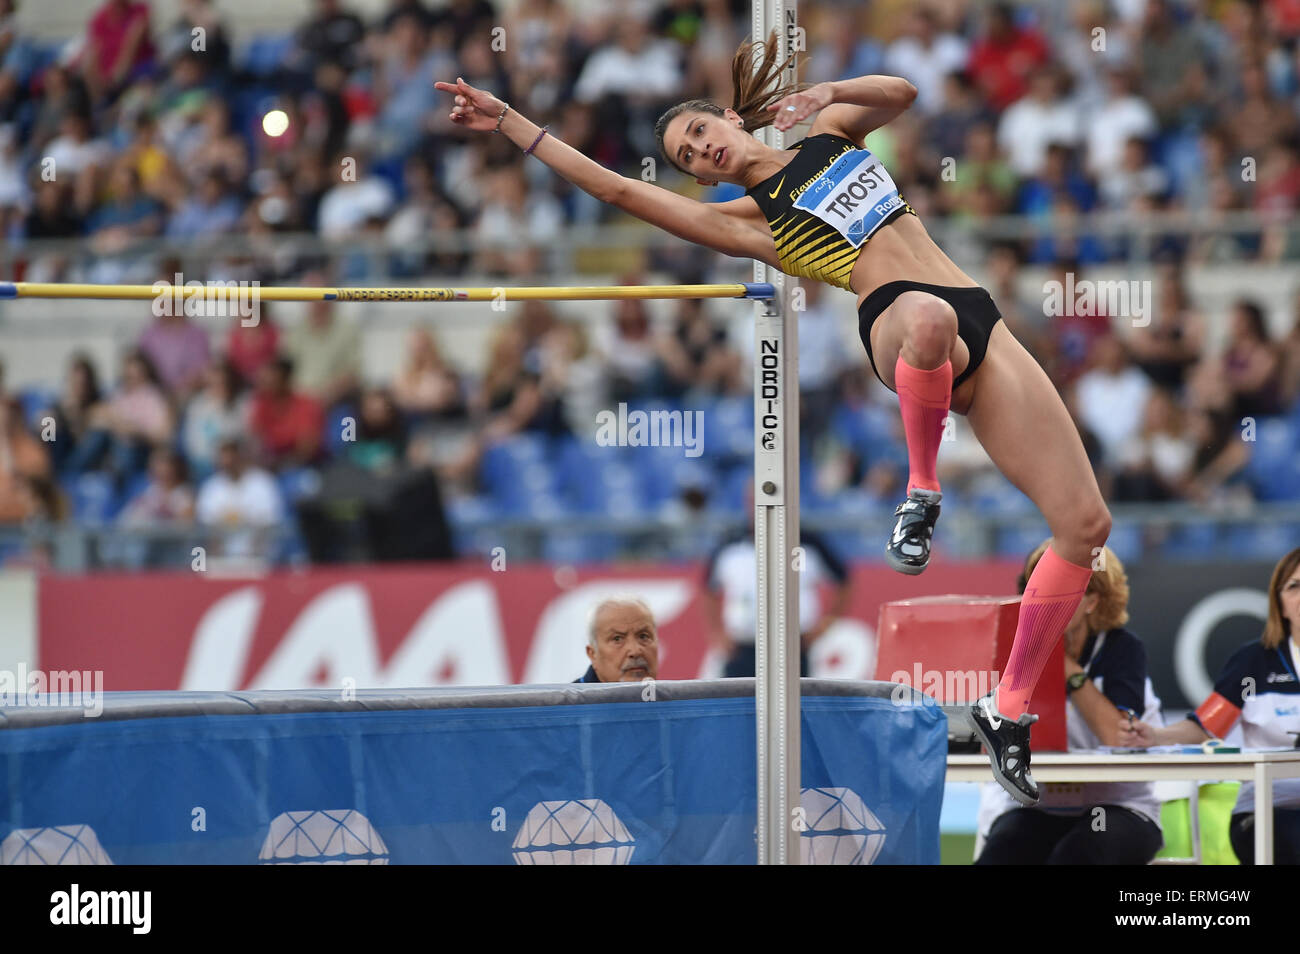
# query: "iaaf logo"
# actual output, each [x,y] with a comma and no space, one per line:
[460,630]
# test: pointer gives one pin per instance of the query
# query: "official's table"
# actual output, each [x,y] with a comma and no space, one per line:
[1262,768]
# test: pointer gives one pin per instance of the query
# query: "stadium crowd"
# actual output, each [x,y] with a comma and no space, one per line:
[143,131]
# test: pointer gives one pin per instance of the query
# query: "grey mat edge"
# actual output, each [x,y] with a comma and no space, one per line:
[121,706]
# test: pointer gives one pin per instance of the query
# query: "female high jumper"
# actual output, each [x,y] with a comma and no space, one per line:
[827,209]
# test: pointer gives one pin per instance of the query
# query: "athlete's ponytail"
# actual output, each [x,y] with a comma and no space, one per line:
[751,94]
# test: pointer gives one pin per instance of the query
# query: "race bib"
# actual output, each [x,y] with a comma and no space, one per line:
[855,195]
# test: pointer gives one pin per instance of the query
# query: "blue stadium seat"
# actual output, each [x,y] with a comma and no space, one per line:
[297,483]
[1126,541]
[36,402]
[1274,467]
[1266,542]
[93,497]
[266,53]
[1016,543]
[579,548]
[1196,541]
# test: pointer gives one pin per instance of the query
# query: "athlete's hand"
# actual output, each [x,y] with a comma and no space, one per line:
[475,109]
[804,104]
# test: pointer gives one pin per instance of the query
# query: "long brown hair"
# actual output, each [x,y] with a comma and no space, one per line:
[1278,626]
[751,94]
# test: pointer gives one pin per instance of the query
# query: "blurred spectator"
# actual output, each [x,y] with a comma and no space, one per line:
[730,600]
[24,466]
[1168,347]
[128,216]
[380,444]
[76,150]
[1137,177]
[1005,57]
[125,429]
[635,65]
[463,18]
[426,386]
[514,225]
[288,424]
[1034,122]
[350,203]
[1111,396]
[1157,464]
[74,411]
[326,353]
[252,346]
[511,396]
[1289,376]
[198,15]
[218,412]
[697,357]
[1121,117]
[925,56]
[239,495]
[118,46]
[948,132]
[179,351]
[167,497]
[330,35]
[1221,454]
[211,211]
[1250,363]
[1168,50]
[630,354]
[426,213]
[404,81]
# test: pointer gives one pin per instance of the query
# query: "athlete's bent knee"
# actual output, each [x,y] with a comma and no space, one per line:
[930,331]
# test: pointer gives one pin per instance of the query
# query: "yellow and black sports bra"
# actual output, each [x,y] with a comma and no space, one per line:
[824,205]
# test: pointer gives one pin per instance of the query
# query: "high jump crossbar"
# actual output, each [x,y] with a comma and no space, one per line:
[234,291]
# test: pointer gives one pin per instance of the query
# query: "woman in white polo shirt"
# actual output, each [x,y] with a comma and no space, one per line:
[1112,823]
[1260,684]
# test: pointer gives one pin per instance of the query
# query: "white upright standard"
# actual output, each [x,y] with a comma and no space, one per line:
[776,521]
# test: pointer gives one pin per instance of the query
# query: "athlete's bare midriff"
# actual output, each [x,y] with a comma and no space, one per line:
[904,251]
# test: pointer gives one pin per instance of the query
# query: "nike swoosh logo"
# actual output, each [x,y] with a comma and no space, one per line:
[994,722]
[772,194]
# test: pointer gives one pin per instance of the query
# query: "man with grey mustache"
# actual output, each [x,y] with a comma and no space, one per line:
[622,642]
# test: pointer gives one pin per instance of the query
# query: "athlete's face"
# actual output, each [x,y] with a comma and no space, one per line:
[708,147]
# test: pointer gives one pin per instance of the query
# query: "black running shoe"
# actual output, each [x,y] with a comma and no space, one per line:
[908,549]
[1007,741]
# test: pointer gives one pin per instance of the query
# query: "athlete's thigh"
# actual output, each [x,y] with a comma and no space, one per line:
[889,330]
[1021,421]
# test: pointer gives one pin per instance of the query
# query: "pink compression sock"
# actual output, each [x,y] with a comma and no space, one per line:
[923,399]
[1051,596]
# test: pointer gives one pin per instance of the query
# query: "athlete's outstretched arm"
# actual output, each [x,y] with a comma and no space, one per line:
[850,108]
[712,225]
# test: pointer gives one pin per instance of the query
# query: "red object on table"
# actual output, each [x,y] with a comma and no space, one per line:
[955,649]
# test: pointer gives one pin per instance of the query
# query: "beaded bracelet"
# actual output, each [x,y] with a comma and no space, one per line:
[504,109]
[529,150]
